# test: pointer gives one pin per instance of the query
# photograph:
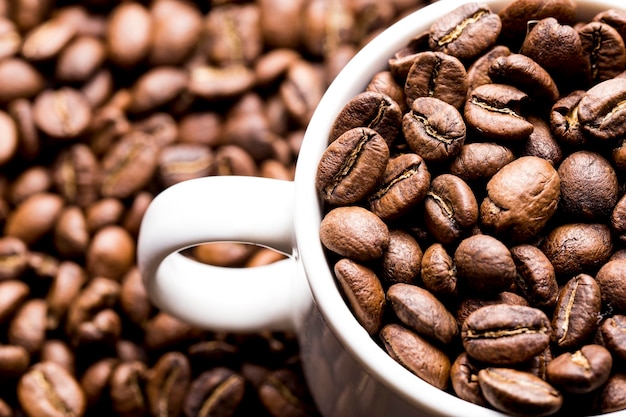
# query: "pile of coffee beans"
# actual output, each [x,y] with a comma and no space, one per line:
[103,104]
[475,214]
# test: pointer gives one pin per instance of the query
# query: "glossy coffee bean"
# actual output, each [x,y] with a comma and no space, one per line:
[581,371]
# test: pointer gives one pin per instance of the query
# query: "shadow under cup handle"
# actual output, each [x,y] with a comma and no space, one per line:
[213,209]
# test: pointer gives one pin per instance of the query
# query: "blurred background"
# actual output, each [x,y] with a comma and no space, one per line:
[103,104]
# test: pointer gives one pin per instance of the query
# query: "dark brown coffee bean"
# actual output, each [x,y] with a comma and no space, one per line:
[611,278]
[9,144]
[535,276]
[213,83]
[618,218]
[19,79]
[65,286]
[450,208]
[59,352]
[438,75]
[484,264]
[166,384]
[34,217]
[521,198]
[589,186]
[364,293]
[181,162]
[581,371]
[351,166]
[515,16]
[283,393]
[14,361]
[497,112]
[519,393]
[48,389]
[434,129]
[233,35]
[614,335]
[576,312]
[274,64]
[376,111]
[355,233]
[600,111]
[480,160]
[31,181]
[164,331]
[541,143]
[128,166]
[564,122]
[384,82]
[416,354]
[611,396]
[605,49]
[76,174]
[111,253]
[504,334]
[589,243]
[71,235]
[126,389]
[419,310]
[104,328]
[402,259]
[28,326]
[13,258]
[402,60]
[404,185]
[157,87]
[478,71]
[470,304]
[98,88]
[538,364]
[527,75]
[464,379]
[176,27]
[229,254]
[438,271]
[134,299]
[64,113]
[13,293]
[95,380]
[99,294]
[218,391]
[465,32]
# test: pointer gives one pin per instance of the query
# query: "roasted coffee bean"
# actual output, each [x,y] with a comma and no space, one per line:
[384,82]
[464,380]
[438,75]
[438,271]
[19,79]
[180,162]
[364,292]
[576,312]
[518,393]
[126,389]
[176,27]
[521,198]
[352,166]
[9,132]
[566,62]
[65,286]
[450,208]
[283,393]
[504,334]
[80,59]
[535,275]
[164,331]
[589,186]
[301,90]
[95,380]
[520,71]
[48,389]
[416,354]
[484,264]
[589,243]
[76,175]
[465,32]
[63,114]
[134,299]
[581,371]
[611,396]
[403,185]
[34,217]
[14,361]
[166,384]
[419,310]
[401,261]
[32,181]
[480,161]
[434,129]
[564,121]
[542,143]
[614,335]
[599,111]
[28,326]
[13,257]
[605,48]
[71,236]
[100,293]
[355,233]
[610,279]
[111,253]
[218,391]
[13,293]
[478,71]
[374,110]
[498,112]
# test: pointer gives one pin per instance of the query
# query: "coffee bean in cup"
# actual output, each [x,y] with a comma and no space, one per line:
[511,190]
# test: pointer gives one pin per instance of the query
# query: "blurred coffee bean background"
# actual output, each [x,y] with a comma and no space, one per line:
[103,104]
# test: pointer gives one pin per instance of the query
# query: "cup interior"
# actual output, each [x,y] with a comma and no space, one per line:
[351,81]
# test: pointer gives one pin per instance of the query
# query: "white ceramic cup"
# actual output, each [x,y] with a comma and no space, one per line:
[347,372]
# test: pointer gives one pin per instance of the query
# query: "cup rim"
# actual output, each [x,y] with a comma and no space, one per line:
[308,210]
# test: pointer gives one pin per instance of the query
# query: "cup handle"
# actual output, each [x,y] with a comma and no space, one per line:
[222,208]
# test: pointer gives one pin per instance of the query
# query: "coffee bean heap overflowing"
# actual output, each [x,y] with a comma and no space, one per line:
[475,215]
[104,103]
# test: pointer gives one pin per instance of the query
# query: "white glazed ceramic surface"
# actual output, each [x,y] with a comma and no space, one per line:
[347,372]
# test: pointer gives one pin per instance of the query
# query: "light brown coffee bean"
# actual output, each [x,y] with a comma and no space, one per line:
[111,253]
[13,257]
[64,113]
[34,217]
[19,79]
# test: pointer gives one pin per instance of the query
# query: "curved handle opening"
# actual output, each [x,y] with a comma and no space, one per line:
[251,210]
